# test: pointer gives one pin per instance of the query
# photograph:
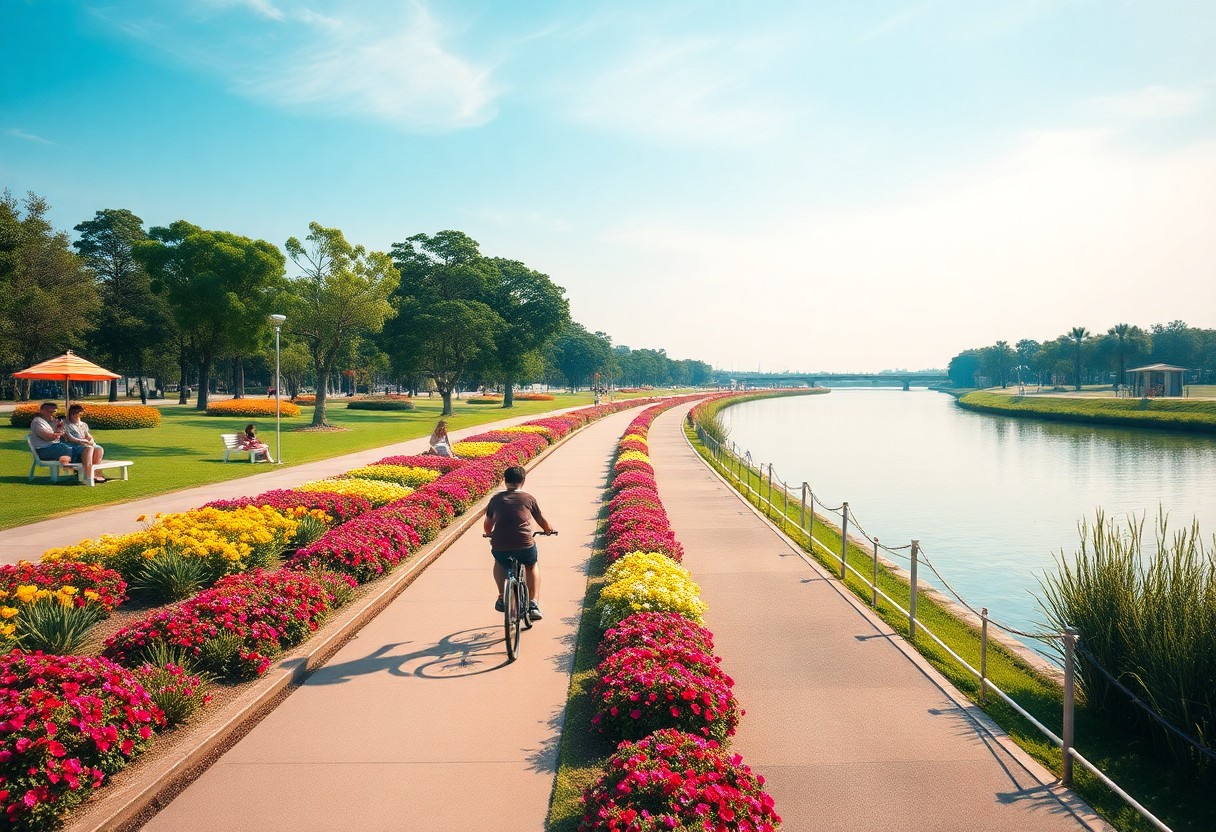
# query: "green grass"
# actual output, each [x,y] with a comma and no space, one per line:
[185,451]
[1168,414]
[1182,803]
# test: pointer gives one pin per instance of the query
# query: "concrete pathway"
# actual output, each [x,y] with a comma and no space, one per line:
[850,731]
[30,541]
[418,722]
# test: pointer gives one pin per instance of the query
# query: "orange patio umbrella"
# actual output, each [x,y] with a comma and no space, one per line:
[65,368]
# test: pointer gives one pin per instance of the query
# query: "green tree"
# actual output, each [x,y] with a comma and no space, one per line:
[533,308]
[996,362]
[1028,357]
[134,323]
[342,294]
[219,287]
[1077,334]
[1175,343]
[964,368]
[1128,339]
[48,298]
[579,354]
[443,325]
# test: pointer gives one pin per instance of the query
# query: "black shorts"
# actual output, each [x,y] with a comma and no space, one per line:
[525,556]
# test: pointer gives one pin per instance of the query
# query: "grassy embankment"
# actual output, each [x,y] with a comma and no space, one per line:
[1183,804]
[1167,414]
[185,450]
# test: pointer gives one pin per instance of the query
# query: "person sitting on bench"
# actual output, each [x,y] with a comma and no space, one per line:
[76,433]
[46,436]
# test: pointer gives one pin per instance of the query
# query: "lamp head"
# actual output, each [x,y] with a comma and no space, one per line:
[277,320]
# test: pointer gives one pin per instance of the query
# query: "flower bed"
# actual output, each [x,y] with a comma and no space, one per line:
[376,492]
[534,397]
[483,400]
[475,450]
[68,723]
[671,780]
[655,629]
[233,629]
[442,464]
[338,507]
[99,416]
[529,428]
[410,475]
[253,408]
[89,583]
[378,403]
[648,582]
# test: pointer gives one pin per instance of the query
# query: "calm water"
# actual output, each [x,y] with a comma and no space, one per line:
[991,500]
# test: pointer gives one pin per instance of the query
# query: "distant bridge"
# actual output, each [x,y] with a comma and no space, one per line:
[904,380]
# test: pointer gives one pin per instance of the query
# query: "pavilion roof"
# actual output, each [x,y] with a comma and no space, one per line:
[1157,368]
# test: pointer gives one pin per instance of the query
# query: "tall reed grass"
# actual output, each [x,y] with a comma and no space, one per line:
[1149,619]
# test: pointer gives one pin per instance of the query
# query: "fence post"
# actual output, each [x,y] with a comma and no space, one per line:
[912,603]
[810,520]
[874,578]
[785,503]
[1070,660]
[983,655]
[844,539]
[802,510]
[768,504]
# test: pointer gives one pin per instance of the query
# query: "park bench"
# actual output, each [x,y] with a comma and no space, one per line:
[232,445]
[55,467]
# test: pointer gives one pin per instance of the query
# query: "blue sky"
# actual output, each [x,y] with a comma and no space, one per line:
[792,185]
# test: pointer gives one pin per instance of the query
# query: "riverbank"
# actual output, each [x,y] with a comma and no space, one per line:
[1198,416]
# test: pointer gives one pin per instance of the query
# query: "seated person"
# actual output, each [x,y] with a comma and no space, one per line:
[76,432]
[440,444]
[250,442]
[46,437]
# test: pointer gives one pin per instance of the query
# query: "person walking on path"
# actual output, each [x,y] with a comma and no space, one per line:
[508,524]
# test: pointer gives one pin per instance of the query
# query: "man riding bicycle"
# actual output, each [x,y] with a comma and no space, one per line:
[509,527]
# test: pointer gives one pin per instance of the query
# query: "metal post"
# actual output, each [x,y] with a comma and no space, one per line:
[844,539]
[983,655]
[1070,646]
[277,320]
[874,578]
[810,520]
[802,509]
[912,603]
[785,502]
[769,502]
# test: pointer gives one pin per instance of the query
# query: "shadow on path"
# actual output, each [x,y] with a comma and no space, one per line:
[463,653]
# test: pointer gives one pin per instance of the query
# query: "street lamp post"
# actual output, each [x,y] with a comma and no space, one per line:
[277,320]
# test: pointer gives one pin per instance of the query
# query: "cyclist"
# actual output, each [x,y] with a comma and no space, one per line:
[509,527]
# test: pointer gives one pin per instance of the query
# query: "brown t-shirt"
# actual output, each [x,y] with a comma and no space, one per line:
[512,513]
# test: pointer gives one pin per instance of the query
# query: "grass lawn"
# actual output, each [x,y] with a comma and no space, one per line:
[185,450]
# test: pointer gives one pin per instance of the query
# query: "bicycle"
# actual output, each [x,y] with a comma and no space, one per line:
[515,601]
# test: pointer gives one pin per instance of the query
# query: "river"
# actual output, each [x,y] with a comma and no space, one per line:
[993,500]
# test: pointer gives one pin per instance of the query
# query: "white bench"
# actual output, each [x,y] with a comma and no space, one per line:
[55,467]
[232,445]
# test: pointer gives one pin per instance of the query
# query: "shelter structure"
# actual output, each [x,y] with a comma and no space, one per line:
[1156,380]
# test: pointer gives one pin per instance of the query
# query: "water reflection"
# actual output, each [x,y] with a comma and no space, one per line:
[991,499]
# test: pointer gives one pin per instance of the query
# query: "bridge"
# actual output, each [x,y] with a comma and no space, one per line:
[886,379]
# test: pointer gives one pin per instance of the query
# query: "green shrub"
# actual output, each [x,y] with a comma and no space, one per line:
[380,404]
[1149,619]
[171,577]
[53,628]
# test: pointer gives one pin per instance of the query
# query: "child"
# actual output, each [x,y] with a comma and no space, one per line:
[250,442]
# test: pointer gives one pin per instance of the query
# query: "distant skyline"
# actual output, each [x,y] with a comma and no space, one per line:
[849,186]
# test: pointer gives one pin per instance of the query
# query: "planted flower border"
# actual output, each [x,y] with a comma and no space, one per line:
[659,689]
[240,625]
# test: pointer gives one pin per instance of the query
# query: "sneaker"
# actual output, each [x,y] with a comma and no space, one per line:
[498,605]
[534,611]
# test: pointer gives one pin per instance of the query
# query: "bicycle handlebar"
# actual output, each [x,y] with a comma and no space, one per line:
[537,533]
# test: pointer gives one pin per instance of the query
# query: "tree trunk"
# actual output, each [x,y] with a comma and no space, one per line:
[114,389]
[204,382]
[181,363]
[508,395]
[239,392]
[318,411]
[143,387]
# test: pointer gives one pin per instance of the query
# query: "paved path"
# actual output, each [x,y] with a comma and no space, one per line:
[850,731]
[419,723]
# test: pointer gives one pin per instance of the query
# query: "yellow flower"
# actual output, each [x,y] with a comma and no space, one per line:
[475,450]
[7,612]
[26,593]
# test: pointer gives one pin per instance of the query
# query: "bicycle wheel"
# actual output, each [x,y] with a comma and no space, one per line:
[525,615]
[511,617]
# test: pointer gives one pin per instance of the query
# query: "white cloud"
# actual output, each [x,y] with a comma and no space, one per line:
[1068,230]
[695,89]
[328,58]
[892,23]
[1152,102]
[18,133]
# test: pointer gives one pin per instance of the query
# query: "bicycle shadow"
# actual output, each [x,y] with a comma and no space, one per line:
[456,655]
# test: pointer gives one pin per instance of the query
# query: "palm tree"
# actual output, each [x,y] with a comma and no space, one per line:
[1127,336]
[1077,334]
